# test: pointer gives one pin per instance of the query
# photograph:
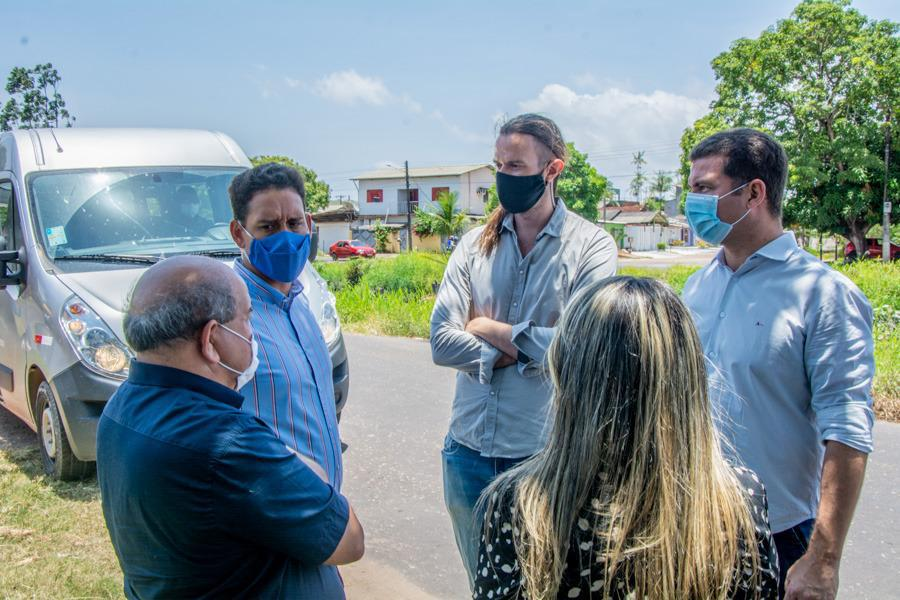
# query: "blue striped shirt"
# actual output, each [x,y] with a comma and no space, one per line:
[292,391]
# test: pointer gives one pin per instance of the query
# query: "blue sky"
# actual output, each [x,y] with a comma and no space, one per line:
[347,86]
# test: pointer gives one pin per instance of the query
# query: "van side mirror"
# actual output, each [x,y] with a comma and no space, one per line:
[11,257]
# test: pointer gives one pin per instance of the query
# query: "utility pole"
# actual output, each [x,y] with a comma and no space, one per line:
[408,209]
[886,215]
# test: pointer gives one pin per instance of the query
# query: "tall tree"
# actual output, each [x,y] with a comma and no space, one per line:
[34,99]
[317,191]
[825,82]
[581,186]
[639,180]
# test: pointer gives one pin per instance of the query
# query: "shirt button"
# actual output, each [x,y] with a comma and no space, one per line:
[722,315]
[521,272]
[515,303]
[712,354]
[493,394]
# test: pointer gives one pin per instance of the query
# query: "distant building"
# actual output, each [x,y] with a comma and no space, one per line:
[642,231]
[334,224]
[383,195]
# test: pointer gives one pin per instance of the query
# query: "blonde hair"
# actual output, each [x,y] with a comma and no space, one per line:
[548,135]
[633,429]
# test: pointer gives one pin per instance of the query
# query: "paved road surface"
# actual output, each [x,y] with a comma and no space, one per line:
[394,425]
[395,422]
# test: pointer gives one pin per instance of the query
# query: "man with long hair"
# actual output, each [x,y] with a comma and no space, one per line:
[791,355]
[504,289]
[631,496]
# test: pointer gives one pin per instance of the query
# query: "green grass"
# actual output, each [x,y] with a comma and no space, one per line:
[394,297]
[53,541]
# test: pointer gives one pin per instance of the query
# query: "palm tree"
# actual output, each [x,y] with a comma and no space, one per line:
[448,220]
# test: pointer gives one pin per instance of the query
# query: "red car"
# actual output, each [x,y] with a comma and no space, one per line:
[350,249]
[873,250]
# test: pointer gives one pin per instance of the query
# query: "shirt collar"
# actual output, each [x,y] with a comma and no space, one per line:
[779,249]
[553,226]
[260,290]
[141,373]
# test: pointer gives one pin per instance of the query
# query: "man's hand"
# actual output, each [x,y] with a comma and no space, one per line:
[495,333]
[812,578]
[504,361]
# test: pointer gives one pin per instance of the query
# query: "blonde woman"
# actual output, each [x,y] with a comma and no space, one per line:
[631,496]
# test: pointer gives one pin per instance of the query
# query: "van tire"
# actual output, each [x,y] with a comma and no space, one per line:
[56,454]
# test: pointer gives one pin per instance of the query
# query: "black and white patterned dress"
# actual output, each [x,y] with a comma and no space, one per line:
[499,577]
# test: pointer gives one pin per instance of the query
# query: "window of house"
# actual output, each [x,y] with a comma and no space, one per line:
[437,191]
[374,195]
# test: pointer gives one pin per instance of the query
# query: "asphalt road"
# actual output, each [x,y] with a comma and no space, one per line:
[394,425]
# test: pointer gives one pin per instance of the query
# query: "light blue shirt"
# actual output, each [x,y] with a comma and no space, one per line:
[503,413]
[790,356]
[292,390]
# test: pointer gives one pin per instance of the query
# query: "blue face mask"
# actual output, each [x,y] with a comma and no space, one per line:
[280,256]
[701,211]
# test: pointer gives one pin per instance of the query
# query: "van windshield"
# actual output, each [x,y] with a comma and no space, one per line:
[132,211]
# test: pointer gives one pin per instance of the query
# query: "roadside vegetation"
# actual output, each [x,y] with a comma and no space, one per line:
[396,296]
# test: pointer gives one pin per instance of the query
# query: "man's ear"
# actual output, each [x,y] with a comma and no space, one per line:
[237,233]
[555,169]
[209,351]
[309,223]
[757,193]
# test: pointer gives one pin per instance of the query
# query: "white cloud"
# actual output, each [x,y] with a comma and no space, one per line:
[612,124]
[292,83]
[349,87]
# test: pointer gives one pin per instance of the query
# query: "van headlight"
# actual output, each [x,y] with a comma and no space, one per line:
[328,319]
[93,341]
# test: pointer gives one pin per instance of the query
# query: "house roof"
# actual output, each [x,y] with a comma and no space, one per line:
[419,172]
[343,213]
[637,218]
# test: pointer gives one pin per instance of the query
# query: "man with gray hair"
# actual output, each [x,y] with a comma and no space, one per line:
[201,499]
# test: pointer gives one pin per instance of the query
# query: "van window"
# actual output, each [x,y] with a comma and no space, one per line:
[152,211]
[9,222]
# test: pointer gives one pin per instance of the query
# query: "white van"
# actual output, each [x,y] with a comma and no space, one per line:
[82,213]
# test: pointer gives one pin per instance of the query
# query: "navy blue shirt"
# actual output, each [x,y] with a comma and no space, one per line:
[202,500]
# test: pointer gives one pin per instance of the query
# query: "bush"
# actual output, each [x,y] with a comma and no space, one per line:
[409,272]
[676,243]
[382,235]
[661,246]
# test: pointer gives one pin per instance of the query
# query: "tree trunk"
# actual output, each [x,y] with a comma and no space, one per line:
[857,234]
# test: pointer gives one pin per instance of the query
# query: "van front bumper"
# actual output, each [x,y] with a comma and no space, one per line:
[81,395]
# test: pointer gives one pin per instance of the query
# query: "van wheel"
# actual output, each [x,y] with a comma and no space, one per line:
[56,454]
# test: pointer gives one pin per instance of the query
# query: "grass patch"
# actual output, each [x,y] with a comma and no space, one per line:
[395,297]
[53,541]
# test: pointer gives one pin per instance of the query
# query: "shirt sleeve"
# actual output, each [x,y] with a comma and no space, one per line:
[839,355]
[599,261]
[451,345]
[498,575]
[269,497]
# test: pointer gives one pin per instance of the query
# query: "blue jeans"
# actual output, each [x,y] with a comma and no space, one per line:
[466,474]
[790,545]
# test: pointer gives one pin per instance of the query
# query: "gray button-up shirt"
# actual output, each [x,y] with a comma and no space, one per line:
[790,360]
[503,413]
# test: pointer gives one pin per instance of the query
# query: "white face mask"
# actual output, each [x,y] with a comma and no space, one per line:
[247,374]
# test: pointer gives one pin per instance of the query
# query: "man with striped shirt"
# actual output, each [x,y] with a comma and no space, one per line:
[292,390]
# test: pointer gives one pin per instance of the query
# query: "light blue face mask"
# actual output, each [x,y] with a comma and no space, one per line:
[701,211]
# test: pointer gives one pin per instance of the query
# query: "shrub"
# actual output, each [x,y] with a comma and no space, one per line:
[410,272]
[382,234]
[661,246]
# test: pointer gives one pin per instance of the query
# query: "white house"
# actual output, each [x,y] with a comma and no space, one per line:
[383,194]
[643,230]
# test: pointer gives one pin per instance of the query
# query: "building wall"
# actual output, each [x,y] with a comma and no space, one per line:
[330,233]
[465,185]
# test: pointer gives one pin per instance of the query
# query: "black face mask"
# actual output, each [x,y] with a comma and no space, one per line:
[518,193]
